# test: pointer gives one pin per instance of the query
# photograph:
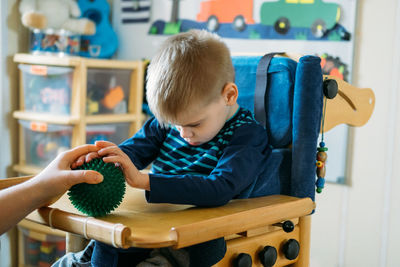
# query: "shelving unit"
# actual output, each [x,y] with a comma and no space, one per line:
[66,98]
[62,104]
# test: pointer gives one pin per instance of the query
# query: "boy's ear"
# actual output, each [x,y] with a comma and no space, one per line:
[230,93]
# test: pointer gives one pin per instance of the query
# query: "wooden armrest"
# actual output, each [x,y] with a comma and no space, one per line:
[137,223]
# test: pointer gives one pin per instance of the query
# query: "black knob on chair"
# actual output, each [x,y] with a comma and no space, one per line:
[268,256]
[291,249]
[287,226]
[243,260]
[330,88]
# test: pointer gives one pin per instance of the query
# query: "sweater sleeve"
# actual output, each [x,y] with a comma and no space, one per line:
[239,166]
[144,146]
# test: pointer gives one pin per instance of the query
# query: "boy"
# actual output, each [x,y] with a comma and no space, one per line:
[204,149]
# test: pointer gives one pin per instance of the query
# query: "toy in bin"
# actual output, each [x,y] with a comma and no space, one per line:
[105,99]
[32,250]
[44,148]
[43,142]
[42,252]
[56,26]
[58,42]
[47,89]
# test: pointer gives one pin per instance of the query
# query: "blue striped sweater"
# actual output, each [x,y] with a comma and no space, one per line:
[236,163]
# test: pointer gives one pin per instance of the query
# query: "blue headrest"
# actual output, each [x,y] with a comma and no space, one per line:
[281,79]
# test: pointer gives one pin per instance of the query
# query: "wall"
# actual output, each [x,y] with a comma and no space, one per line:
[13,39]
[356,225]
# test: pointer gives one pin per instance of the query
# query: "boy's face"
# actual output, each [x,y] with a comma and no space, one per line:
[199,125]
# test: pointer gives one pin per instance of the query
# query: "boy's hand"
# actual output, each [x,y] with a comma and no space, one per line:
[112,153]
[84,158]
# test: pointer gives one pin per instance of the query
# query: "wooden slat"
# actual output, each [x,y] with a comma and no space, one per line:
[21,249]
[266,229]
[46,117]
[112,64]
[75,61]
[27,169]
[305,241]
[40,228]
[47,60]
[111,118]
[21,145]
[5,183]
[79,132]
[136,97]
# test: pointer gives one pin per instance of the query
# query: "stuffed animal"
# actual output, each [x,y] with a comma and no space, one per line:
[56,15]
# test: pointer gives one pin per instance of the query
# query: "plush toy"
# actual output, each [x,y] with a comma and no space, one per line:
[56,15]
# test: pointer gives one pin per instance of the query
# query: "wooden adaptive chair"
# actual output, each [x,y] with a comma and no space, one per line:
[263,231]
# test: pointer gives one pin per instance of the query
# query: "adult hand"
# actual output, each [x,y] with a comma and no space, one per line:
[20,200]
[58,176]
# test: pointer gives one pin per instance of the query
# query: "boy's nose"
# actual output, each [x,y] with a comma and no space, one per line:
[186,132]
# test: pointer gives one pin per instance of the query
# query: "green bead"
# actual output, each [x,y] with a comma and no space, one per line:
[322,149]
[319,190]
[99,199]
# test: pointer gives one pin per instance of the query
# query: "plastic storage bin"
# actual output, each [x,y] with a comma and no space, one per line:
[41,249]
[43,141]
[108,91]
[115,133]
[47,89]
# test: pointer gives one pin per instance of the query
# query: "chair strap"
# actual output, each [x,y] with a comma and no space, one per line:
[260,93]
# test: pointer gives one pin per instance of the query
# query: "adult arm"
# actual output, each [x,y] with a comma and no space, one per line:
[18,201]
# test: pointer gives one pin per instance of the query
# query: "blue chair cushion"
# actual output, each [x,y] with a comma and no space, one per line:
[294,110]
[281,79]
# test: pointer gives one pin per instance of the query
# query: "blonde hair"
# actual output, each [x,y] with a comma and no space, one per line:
[190,68]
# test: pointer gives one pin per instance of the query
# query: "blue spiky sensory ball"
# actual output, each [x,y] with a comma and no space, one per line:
[99,199]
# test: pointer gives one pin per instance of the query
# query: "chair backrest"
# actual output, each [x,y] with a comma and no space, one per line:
[293,103]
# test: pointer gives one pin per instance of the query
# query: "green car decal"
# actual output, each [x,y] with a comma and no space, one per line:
[314,14]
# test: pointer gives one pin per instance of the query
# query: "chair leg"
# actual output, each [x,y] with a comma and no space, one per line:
[305,231]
